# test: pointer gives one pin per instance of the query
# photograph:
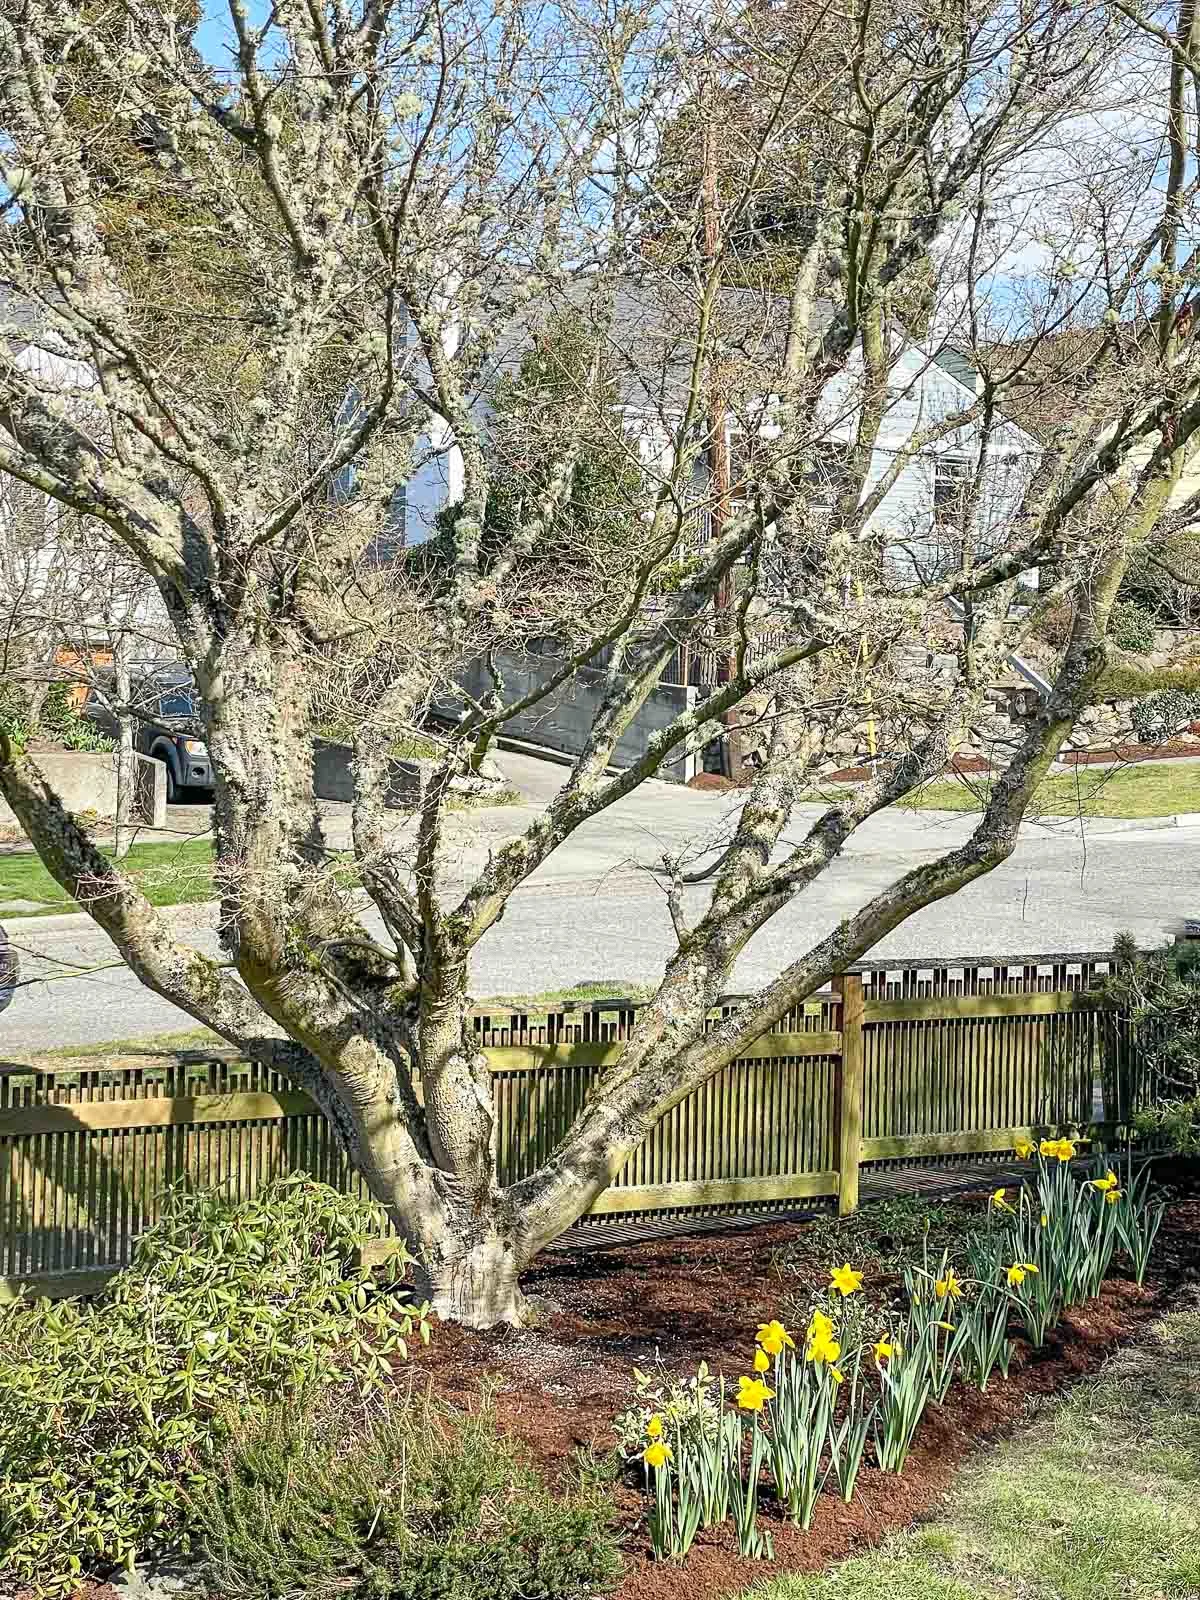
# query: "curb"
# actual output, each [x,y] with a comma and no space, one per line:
[1124,827]
[201,911]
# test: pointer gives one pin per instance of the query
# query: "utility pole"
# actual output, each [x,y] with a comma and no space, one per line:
[718,440]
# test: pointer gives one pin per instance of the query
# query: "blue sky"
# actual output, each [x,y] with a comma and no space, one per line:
[214,36]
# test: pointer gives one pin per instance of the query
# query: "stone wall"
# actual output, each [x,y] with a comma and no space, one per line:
[332,779]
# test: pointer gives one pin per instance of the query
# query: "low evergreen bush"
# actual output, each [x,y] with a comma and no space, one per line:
[113,1412]
[59,720]
[1152,1063]
[1160,716]
[1131,627]
[401,1502]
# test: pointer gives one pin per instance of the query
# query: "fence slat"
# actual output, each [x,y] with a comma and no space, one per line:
[939,1008]
[966,1141]
[850,1076]
[715,1192]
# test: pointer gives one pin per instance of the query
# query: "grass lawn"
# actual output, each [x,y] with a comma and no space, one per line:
[168,875]
[150,1044]
[1146,789]
[1098,1498]
[590,989]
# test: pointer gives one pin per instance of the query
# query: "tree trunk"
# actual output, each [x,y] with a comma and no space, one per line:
[123,830]
[474,1279]
[34,701]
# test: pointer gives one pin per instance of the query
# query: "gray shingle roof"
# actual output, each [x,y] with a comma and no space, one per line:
[649,327]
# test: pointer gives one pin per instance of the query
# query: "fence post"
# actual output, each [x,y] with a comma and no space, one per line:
[850,1092]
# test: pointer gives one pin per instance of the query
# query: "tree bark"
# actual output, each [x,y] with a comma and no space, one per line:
[472,1275]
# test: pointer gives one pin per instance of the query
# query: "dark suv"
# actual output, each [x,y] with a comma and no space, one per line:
[165,727]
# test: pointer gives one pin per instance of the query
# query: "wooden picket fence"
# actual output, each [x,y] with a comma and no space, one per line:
[912,1063]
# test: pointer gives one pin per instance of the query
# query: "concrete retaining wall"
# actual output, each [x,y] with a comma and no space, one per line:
[563,720]
[332,779]
[86,782]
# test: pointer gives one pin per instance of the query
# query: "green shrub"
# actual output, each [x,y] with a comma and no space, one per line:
[400,1501]
[111,1411]
[1159,716]
[1176,1125]
[59,719]
[1131,627]
[1125,682]
[1152,1066]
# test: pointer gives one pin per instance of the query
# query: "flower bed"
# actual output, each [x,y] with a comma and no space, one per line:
[806,1419]
[665,1306]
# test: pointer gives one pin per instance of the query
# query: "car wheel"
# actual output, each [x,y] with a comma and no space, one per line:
[172,786]
[9,971]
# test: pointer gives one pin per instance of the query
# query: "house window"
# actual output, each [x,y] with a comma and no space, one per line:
[829,474]
[951,487]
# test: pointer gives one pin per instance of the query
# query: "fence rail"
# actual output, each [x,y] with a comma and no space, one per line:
[896,1064]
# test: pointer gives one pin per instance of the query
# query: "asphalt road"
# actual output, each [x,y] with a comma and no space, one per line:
[595,911]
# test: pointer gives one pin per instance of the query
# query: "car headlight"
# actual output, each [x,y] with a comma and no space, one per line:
[194,747]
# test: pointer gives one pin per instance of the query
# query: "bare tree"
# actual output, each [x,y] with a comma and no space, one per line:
[403,196]
[78,612]
[38,564]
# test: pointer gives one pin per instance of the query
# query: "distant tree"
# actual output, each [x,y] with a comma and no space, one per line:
[559,389]
[785,74]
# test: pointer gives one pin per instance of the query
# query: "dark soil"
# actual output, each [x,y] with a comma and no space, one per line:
[559,1385]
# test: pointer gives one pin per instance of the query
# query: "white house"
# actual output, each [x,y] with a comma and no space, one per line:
[648,338]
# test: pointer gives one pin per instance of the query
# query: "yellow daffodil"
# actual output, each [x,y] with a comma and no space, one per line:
[1023,1149]
[657,1455]
[845,1280]
[654,1427]
[820,1326]
[1064,1150]
[1111,1196]
[999,1202]
[1045,1220]
[948,1287]
[822,1348]
[1016,1275]
[884,1350]
[753,1394]
[1107,1182]
[772,1336]
[1047,1147]
[1028,1266]
[836,1375]
[762,1361]
[948,1326]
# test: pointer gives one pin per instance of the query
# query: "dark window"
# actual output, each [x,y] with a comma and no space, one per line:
[176,703]
[951,485]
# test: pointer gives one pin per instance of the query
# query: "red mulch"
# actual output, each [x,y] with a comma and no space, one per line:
[963,764]
[558,1386]
[1130,752]
[715,781]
